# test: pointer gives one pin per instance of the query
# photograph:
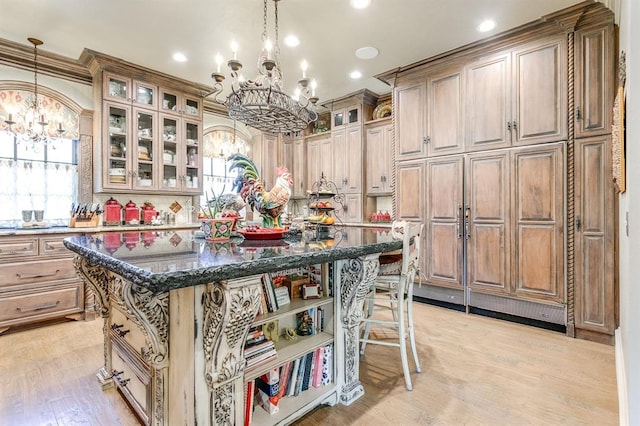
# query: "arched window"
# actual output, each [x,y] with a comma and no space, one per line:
[40,177]
[219,143]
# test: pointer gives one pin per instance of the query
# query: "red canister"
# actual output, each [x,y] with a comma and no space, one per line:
[112,212]
[148,213]
[131,213]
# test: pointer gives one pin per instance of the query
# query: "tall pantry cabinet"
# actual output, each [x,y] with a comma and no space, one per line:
[508,144]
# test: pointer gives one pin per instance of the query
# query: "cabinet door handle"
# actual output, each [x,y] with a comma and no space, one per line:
[578,223]
[508,125]
[467,218]
[458,216]
[515,125]
[426,140]
[39,308]
[25,277]
[578,114]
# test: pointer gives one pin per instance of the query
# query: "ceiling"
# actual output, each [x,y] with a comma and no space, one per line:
[148,32]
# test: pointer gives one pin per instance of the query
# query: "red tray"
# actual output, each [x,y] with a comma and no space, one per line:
[263,233]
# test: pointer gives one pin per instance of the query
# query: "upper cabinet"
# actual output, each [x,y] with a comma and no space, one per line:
[175,102]
[411,136]
[517,97]
[122,89]
[148,129]
[379,139]
[594,80]
[445,99]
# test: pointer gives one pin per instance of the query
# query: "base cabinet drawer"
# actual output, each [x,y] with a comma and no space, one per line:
[36,272]
[133,379]
[40,303]
[128,331]
[18,247]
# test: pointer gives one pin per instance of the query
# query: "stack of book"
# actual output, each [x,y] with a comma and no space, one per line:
[258,349]
[313,369]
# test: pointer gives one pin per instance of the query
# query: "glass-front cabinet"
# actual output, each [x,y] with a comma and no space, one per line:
[181,154]
[132,148]
[150,139]
[123,89]
[118,172]
[177,103]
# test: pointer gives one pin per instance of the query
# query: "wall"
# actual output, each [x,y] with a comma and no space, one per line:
[629,244]
[80,93]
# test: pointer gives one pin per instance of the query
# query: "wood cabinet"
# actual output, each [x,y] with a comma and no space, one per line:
[179,103]
[410,187]
[300,182]
[39,282]
[594,80]
[319,158]
[148,129]
[445,101]
[509,219]
[294,158]
[268,159]
[594,239]
[518,97]
[123,89]
[347,147]
[410,131]
[379,164]
[181,140]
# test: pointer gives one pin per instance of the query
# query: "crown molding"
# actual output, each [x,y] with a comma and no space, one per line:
[21,56]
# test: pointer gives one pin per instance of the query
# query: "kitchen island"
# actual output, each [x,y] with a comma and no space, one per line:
[177,312]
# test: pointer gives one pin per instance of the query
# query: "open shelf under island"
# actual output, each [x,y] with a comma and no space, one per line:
[177,314]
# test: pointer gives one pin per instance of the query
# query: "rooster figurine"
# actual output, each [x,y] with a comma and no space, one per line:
[251,188]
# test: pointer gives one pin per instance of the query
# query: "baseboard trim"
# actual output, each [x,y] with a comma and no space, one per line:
[621,378]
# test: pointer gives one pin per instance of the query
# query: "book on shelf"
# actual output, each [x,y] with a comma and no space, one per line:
[258,348]
[261,358]
[316,381]
[327,365]
[308,366]
[284,376]
[291,386]
[269,290]
[300,376]
[248,404]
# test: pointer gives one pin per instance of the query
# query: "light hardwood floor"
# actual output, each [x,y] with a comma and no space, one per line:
[475,371]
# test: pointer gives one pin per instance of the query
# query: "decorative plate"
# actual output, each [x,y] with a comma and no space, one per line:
[382,110]
[263,233]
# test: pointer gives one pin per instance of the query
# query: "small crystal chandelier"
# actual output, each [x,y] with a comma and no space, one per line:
[33,128]
[261,103]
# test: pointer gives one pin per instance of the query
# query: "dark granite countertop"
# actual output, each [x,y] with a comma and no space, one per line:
[166,260]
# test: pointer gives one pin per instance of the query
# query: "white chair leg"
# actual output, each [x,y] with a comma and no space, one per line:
[412,335]
[403,347]
[367,327]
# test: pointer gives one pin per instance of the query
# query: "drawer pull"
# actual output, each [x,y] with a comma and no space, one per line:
[117,329]
[26,277]
[15,251]
[39,308]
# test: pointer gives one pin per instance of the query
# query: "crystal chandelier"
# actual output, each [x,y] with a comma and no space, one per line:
[261,103]
[33,127]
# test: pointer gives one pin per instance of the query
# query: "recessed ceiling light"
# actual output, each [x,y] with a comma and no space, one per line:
[179,57]
[291,40]
[355,75]
[367,52]
[486,25]
[360,4]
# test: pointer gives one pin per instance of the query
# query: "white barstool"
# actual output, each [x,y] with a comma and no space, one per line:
[393,291]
